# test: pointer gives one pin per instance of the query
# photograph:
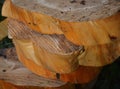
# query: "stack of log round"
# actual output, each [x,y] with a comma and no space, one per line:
[69,40]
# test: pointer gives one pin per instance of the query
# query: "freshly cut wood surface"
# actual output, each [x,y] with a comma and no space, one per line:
[3,29]
[12,71]
[54,52]
[57,44]
[60,52]
[100,39]
[13,75]
[81,33]
[81,75]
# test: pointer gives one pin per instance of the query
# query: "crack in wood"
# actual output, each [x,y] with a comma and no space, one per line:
[57,75]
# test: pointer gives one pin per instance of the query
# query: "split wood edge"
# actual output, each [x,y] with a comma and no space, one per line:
[12,71]
[3,29]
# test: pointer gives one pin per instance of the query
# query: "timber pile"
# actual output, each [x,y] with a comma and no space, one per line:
[59,40]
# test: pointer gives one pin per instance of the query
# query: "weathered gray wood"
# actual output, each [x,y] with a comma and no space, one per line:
[72,10]
[12,71]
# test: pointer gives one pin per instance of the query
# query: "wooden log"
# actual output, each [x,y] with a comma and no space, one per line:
[49,57]
[11,70]
[5,85]
[14,75]
[81,75]
[54,52]
[73,31]
[67,77]
[99,38]
[95,55]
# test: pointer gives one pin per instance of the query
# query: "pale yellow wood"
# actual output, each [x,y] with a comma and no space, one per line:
[3,29]
[54,52]
[59,63]
[82,75]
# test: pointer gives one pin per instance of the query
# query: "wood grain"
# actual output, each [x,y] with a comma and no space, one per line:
[3,29]
[100,39]
[14,72]
[76,32]
[82,75]
[54,52]
[58,47]
[13,75]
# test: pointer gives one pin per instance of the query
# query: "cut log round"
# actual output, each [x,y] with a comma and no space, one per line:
[73,31]
[81,75]
[29,54]
[54,52]
[12,71]
[60,48]
[90,43]
[24,79]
